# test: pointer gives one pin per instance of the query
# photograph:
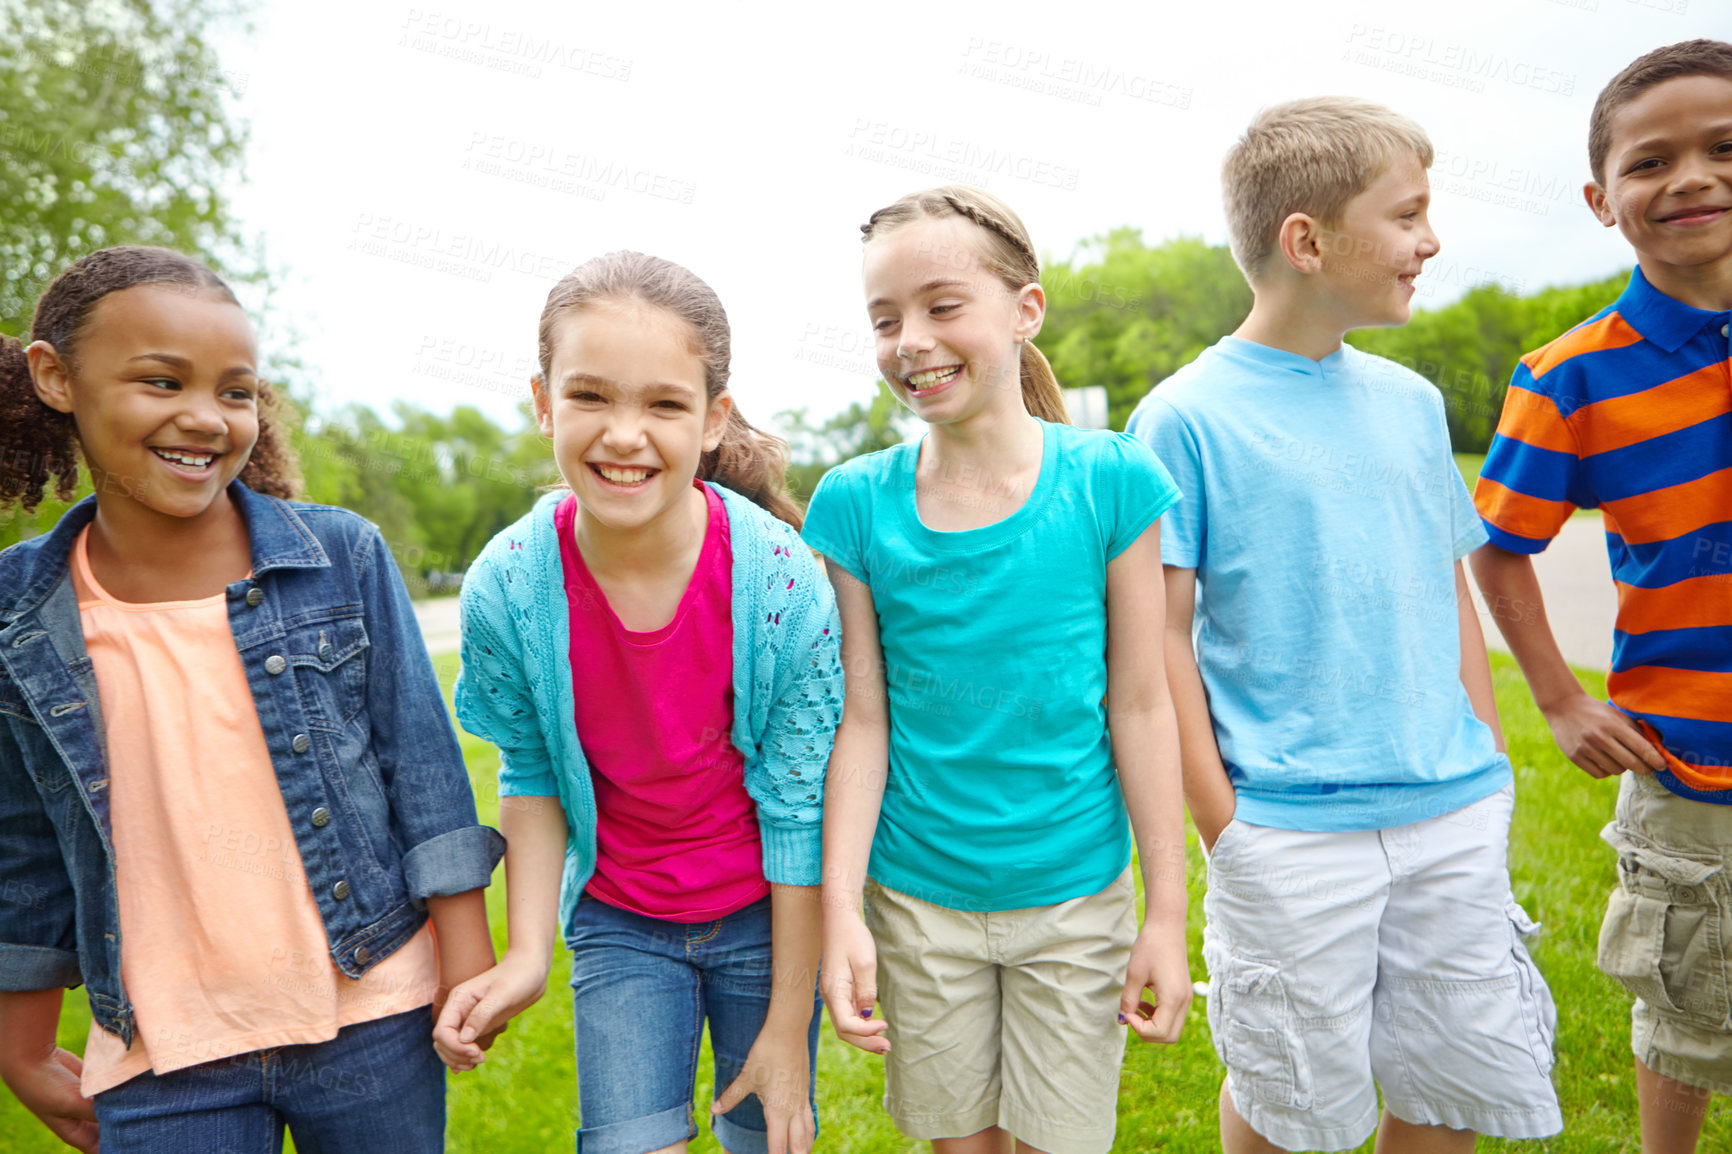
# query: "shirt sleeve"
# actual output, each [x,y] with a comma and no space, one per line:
[1142,490]
[834,520]
[1159,426]
[1531,480]
[493,699]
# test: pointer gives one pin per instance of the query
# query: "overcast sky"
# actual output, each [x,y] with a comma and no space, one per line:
[421,175]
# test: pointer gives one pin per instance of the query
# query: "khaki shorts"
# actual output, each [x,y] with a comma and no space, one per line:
[1008,1018]
[1667,932]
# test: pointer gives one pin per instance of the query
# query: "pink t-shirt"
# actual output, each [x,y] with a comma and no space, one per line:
[676,832]
[222,949]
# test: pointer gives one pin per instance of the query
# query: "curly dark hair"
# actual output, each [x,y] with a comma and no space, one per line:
[39,446]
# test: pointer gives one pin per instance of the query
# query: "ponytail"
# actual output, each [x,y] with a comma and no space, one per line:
[749,461]
[1040,392]
[39,445]
[753,464]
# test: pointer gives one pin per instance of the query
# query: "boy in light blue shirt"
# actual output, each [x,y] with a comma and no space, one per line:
[1341,750]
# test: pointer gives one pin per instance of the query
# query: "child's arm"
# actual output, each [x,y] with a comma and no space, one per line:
[854,791]
[1475,665]
[480,1008]
[1596,737]
[1208,792]
[778,1067]
[1145,738]
[43,1076]
[465,942]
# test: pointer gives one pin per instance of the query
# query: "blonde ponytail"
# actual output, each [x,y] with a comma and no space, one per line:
[1040,392]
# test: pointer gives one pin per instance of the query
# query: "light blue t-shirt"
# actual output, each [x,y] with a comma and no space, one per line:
[1001,792]
[1324,515]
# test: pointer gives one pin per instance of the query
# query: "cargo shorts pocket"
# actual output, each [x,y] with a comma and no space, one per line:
[1254,1030]
[1661,938]
[1538,1011]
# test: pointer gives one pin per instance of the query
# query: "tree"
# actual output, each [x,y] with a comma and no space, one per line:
[1124,315]
[115,129]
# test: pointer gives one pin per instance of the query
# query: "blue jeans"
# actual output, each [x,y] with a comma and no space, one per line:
[642,989]
[377,1086]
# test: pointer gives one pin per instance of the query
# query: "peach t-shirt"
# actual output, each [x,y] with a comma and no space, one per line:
[222,948]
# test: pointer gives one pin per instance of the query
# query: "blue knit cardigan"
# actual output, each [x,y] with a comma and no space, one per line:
[515,687]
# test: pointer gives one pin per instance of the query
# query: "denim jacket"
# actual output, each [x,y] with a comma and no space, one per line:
[363,750]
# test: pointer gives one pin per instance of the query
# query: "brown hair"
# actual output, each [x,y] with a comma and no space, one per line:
[749,461]
[1686,58]
[39,445]
[1008,254]
[1311,156]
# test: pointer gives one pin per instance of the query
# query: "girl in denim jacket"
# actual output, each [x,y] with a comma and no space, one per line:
[229,794]
[656,657]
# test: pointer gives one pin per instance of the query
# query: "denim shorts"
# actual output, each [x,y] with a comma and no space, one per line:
[376,1086]
[642,990]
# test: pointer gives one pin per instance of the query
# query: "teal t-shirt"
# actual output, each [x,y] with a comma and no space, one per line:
[1324,517]
[1002,792]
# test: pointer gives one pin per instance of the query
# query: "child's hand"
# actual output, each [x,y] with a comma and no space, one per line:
[1157,960]
[478,1011]
[849,981]
[778,1071]
[49,1089]
[1600,740]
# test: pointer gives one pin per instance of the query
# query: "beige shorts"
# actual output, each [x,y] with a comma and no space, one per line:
[1008,1018]
[1668,933]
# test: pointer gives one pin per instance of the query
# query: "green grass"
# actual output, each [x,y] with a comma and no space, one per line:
[524,1098]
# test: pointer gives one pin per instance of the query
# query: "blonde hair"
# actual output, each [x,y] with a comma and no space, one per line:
[1311,156]
[1007,253]
[748,461]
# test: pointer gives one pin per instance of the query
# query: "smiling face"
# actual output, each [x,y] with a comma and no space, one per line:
[948,332]
[626,405]
[1370,260]
[164,392]
[1668,185]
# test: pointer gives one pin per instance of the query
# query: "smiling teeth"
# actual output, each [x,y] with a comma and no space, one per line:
[624,476]
[928,377]
[187,459]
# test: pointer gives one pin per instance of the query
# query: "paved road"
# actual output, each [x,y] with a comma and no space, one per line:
[1581,601]
[1574,575]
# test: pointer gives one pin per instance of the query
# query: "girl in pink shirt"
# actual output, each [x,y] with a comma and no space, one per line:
[227,780]
[656,656]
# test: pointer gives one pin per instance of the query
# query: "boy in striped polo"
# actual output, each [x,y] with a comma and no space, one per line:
[1631,412]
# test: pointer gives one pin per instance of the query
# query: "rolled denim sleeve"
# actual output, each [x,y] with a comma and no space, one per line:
[433,808]
[38,941]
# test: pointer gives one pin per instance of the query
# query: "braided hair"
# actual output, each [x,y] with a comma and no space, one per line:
[1008,253]
[39,445]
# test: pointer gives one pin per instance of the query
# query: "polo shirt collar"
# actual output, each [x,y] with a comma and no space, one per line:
[1661,319]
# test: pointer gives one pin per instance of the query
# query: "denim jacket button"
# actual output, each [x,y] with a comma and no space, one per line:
[274,664]
[363,955]
[301,743]
[326,653]
[340,890]
[255,597]
[321,818]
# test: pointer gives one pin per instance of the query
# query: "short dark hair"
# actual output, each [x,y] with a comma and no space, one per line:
[1686,58]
